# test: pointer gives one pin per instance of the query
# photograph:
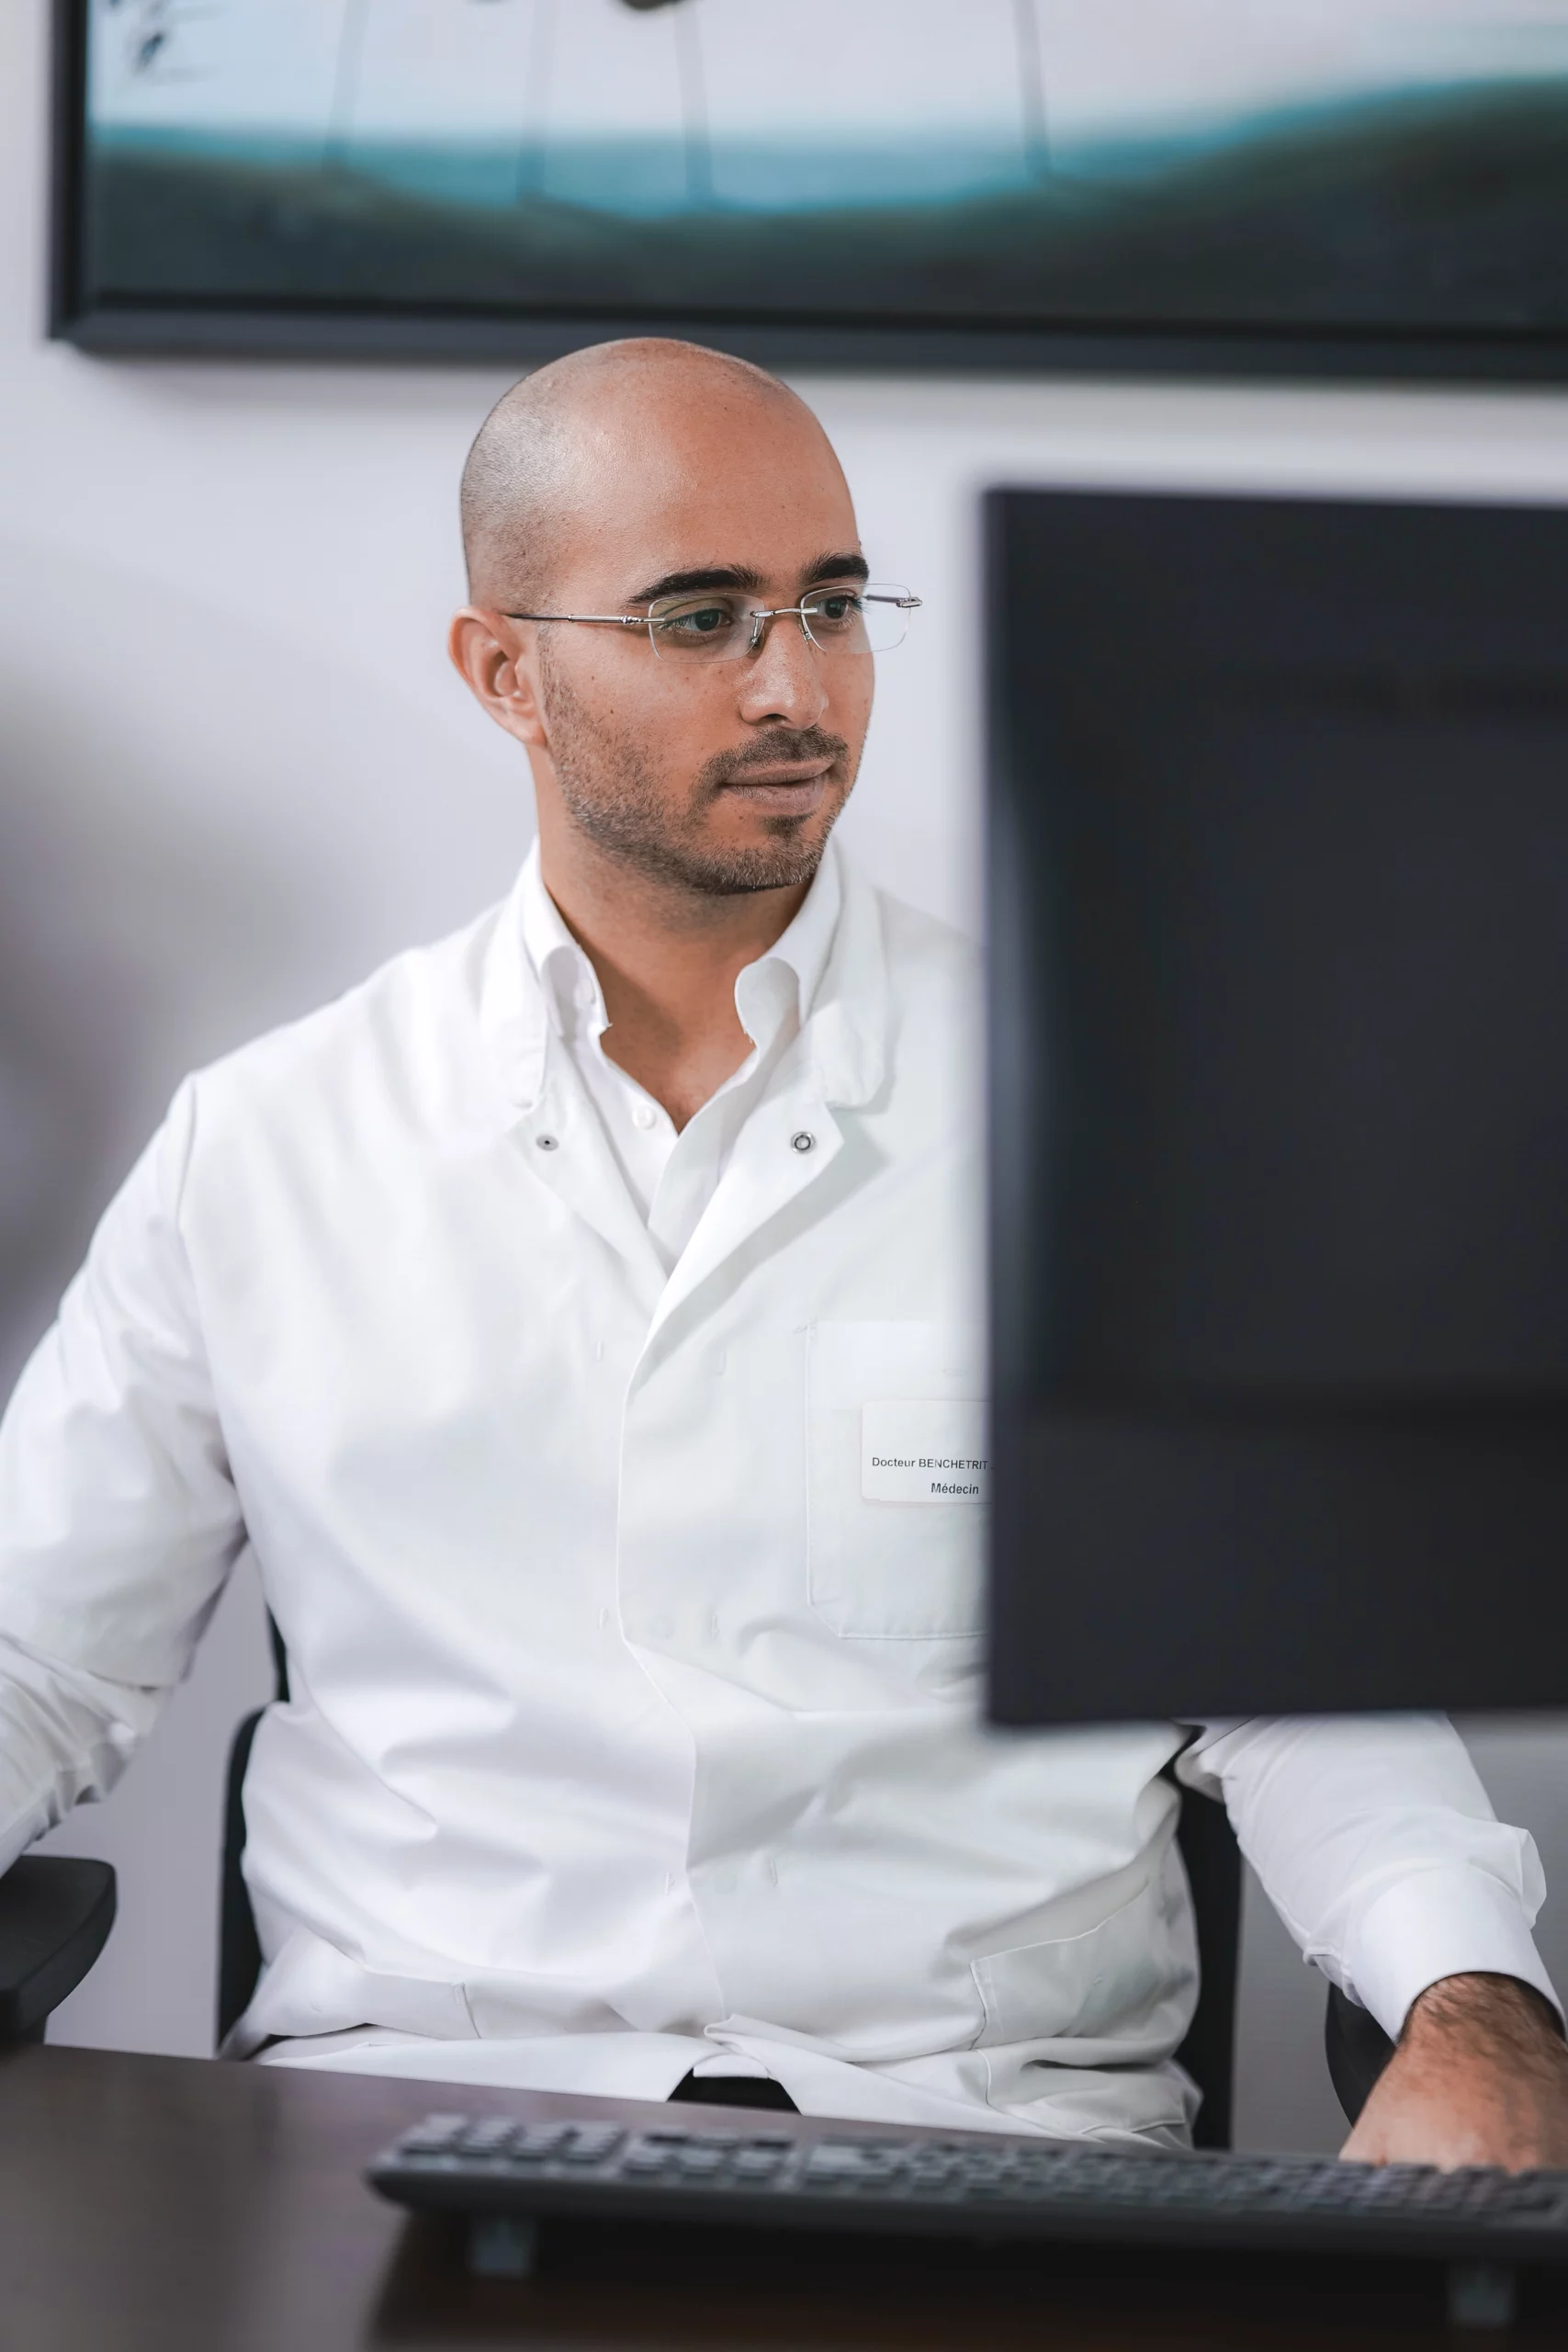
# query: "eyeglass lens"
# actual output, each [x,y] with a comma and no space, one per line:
[715,627]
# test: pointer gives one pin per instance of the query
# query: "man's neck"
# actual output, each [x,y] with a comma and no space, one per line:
[667,959]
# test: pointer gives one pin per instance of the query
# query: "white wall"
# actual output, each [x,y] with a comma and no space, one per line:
[237,773]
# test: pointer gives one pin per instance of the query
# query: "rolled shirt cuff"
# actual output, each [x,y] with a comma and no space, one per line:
[1435,1924]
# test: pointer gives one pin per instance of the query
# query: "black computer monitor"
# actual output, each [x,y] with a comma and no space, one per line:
[1278,938]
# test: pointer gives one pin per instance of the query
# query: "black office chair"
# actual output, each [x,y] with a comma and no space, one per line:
[55,1916]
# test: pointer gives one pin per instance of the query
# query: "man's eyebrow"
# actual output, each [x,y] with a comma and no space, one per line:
[837,567]
[708,575]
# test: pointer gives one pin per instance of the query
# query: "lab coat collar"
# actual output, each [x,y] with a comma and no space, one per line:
[834,947]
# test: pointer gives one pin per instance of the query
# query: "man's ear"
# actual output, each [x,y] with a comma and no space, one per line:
[494,658]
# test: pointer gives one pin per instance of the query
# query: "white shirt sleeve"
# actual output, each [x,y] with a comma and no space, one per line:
[119,1520]
[1378,1846]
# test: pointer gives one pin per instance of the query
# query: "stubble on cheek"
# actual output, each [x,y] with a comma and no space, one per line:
[612,794]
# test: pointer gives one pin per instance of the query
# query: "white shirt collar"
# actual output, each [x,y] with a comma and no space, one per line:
[565,974]
[848,1014]
[785,979]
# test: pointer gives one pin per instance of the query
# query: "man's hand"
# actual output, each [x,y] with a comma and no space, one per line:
[1479,2076]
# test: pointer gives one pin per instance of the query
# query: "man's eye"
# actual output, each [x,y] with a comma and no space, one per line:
[836,609]
[708,619]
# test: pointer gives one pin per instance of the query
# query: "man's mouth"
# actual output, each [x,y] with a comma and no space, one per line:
[781,783]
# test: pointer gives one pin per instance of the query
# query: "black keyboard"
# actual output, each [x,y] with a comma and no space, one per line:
[841,2178]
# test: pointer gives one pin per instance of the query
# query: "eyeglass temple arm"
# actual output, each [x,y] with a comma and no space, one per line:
[798,612]
[605,620]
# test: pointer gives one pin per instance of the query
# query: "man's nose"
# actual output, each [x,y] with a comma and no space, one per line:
[785,679]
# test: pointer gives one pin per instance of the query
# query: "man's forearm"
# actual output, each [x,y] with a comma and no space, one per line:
[1480,2076]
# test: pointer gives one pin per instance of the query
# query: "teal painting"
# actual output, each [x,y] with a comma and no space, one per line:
[1009,172]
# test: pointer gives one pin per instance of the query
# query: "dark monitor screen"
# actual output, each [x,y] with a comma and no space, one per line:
[1278,912]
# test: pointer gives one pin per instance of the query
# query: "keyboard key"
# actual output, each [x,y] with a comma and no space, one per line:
[828,2162]
[492,2137]
[433,2136]
[538,2143]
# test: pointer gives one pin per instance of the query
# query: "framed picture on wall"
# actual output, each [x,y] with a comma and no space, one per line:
[1353,187]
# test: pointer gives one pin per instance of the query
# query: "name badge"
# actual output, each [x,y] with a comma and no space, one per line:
[924,1452]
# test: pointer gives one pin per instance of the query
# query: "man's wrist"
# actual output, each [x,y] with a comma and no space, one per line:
[1497,2017]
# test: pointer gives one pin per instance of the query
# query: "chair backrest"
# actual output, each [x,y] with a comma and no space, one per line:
[239,1949]
[1212,1860]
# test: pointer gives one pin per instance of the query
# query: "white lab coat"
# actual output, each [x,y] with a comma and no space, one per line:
[625,1730]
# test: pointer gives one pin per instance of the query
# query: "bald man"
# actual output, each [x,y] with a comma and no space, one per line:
[561,1320]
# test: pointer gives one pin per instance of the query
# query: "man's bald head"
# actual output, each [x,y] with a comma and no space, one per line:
[626,474]
[546,448]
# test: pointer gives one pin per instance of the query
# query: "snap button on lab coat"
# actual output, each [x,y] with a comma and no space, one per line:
[803,1141]
[547,1142]
[642,1115]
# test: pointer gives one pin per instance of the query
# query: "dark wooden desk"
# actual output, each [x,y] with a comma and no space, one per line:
[180,2205]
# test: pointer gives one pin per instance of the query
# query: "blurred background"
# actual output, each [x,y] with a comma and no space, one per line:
[235,772]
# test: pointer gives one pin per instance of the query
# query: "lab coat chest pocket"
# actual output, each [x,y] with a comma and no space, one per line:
[897,1479]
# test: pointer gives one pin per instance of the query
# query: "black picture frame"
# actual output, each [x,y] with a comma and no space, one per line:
[361,330]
